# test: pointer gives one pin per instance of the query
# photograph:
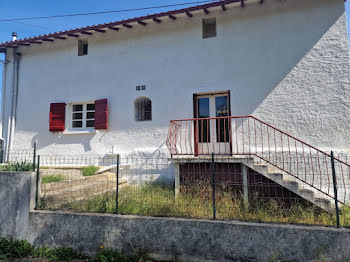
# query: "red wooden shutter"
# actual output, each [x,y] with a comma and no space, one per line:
[57,117]
[101,114]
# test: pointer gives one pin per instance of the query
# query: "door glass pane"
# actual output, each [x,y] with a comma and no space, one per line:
[222,125]
[221,106]
[203,125]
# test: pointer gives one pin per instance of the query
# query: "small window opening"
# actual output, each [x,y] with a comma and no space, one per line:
[209,27]
[82,47]
[143,109]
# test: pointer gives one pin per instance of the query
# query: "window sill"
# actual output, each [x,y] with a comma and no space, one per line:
[81,132]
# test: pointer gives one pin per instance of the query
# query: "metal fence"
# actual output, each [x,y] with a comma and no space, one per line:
[209,187]
[18,159]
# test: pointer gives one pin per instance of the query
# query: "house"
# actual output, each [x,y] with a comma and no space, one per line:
[113,88]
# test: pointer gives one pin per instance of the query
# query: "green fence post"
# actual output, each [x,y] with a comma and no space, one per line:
[34,156]
[37,184]
[117,186]
[335,190]
[2,143]
[213,184]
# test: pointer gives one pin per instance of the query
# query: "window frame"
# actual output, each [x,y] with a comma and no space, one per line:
[208,22]
[69,117]
[83,45]
[136,110]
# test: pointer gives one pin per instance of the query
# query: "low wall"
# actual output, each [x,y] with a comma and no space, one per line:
[163,238]
[17,198]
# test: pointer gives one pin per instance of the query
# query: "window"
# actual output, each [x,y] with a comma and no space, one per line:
[209,27]
[82,47]
[79,117]
[83,116]
[143,109]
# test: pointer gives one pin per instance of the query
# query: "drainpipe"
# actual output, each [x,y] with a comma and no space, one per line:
[12,120]
[3,144]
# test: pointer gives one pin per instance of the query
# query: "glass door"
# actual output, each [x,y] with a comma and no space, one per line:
[213,132]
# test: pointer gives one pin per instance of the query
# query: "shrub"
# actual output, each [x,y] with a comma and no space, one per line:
[57,254]
[10,248]
[17,166]
[89,170]
[52,179]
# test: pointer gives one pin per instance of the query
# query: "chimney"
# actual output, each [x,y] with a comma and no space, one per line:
[14,36]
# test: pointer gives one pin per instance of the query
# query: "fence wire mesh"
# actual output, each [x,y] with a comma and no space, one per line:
[18,160]
[240,187]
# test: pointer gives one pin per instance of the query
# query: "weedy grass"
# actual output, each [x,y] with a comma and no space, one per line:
[17,166]
[14,249]
[89,170]
[196,202]
[52,178]
[110,255]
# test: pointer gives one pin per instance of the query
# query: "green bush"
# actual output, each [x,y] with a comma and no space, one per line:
[17,166]
[14,249]
[57,254]
[10,248]
[89,170]
[52,179]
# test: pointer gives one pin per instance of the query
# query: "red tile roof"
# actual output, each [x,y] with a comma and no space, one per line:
[114,25]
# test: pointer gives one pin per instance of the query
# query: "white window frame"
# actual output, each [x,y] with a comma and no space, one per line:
[69,118]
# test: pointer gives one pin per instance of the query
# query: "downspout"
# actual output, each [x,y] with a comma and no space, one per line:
[3,143]
[12,124]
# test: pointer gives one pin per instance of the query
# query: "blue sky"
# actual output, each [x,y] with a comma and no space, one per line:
[24,8]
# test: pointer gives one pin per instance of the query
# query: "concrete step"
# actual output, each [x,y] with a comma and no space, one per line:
[293,184]
[307,194]
[323,203]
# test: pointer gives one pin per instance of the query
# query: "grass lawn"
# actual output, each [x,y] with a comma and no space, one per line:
[52,178]
[159,200]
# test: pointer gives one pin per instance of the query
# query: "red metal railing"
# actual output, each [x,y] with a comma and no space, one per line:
[248,135]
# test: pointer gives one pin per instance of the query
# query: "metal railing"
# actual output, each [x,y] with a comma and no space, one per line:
[250,136]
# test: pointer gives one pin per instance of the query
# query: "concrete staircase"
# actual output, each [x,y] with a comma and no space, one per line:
[291,183]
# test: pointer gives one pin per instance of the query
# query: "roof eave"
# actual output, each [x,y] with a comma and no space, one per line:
[112,25]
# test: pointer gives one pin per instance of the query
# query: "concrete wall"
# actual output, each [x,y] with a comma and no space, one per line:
[286,62]
[17,197]
[162,238]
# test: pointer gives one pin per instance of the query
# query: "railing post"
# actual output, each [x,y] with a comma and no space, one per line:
[117,186]
[213,184]
[335,190]
[34,156]
[37,184]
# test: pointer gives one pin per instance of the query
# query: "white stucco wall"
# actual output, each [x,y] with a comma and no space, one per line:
[286,62]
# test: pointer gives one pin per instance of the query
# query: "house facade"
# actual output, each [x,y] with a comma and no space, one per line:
[113,88]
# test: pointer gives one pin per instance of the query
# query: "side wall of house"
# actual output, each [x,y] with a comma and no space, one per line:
[286,62]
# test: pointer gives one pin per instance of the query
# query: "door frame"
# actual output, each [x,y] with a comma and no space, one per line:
[195,115]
